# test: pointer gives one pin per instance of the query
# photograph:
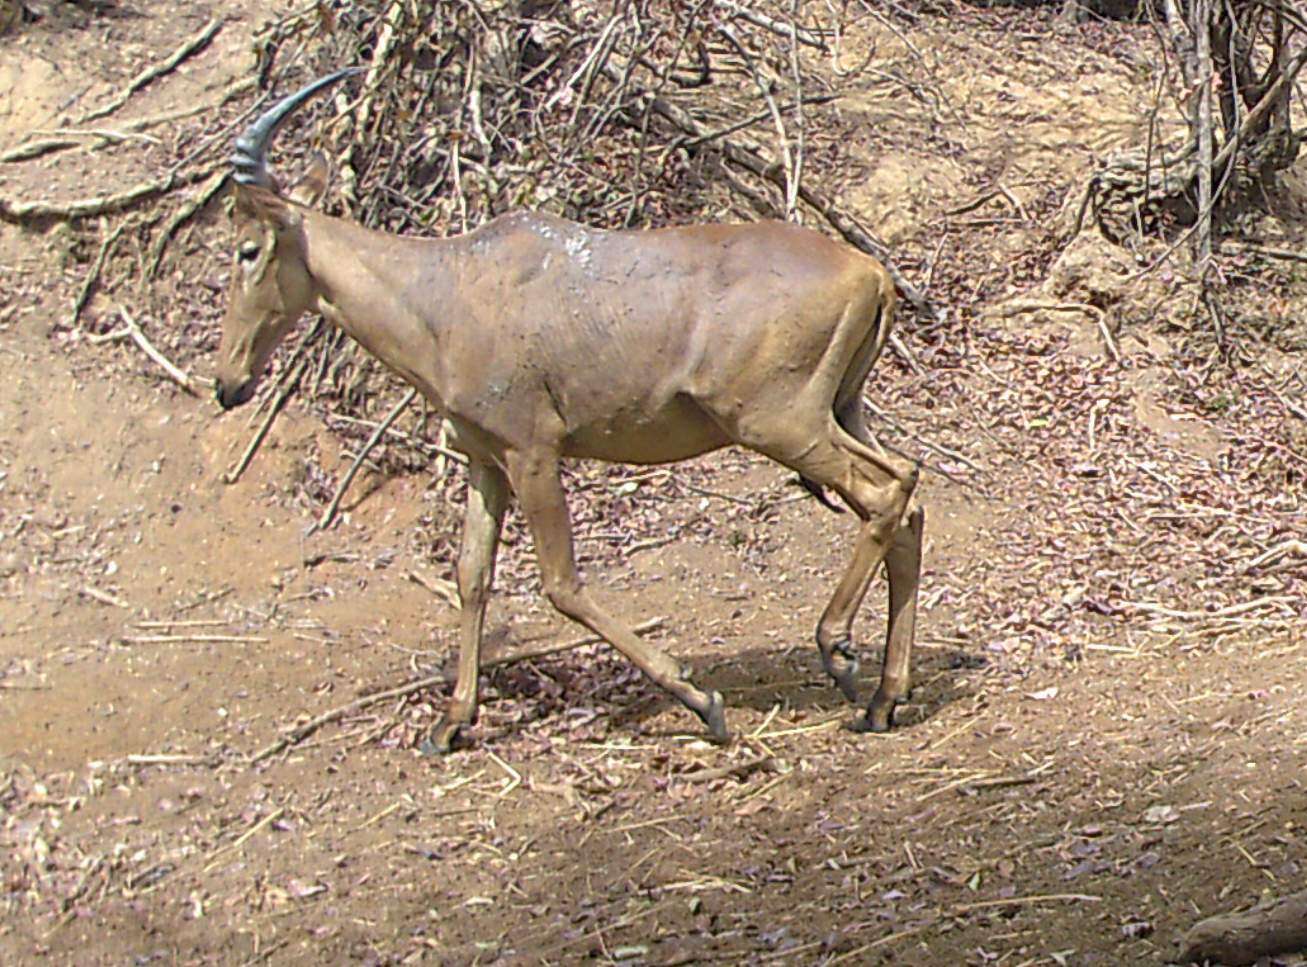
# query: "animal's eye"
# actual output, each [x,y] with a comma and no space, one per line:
[248,252]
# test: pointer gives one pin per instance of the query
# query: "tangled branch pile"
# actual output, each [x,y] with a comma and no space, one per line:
[1245,56]
[619,114]
[633,114]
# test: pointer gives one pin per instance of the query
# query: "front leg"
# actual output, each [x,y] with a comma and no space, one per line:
[540,494]
[487,497]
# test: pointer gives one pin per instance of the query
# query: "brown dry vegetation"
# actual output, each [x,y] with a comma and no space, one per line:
[1107,738]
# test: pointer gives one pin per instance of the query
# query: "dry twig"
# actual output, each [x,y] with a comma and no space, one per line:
[329,513]
[291,384]
[138,336]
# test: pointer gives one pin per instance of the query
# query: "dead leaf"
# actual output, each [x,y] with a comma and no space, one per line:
[1161,814]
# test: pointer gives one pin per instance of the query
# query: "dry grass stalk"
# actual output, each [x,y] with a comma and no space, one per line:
[191,639]
[244,837]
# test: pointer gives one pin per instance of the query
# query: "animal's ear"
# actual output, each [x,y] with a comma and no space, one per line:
[308,191]
[262,204]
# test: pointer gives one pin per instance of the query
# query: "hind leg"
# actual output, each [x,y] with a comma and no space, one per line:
[878,488]
[881,538]
[903,569]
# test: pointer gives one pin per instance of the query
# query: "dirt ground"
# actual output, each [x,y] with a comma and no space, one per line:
[1107,740]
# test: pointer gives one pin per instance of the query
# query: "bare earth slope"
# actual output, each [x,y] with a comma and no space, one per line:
[1106,740]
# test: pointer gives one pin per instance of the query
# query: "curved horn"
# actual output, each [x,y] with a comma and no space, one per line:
[252,145]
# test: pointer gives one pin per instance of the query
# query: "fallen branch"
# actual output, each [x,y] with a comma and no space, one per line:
[138,336]
[520,656]
[266,821]
[790,161]
[329,514]
[843,222]
[943,451]
[1273,927]
[791,30]
[1290,548]
[739,769]
[166,759]
[190,46]
[191,639]
[301,732]
[1269,99]
[59,140]
[1270,253]
[291,370]
[1013,308]
[409,438]
[691,143]
[1025,901]
[104,597]
[447,591]
[1278,601]
[106,135]
[182,623]
[71,138]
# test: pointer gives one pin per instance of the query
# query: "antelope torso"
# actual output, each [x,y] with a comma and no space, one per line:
[629,334]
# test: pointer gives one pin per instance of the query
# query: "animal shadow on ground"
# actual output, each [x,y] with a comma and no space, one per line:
[595,681]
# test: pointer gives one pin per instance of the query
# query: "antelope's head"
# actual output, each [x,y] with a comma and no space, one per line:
[270,285]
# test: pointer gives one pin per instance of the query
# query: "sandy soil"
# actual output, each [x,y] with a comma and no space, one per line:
[1106,741]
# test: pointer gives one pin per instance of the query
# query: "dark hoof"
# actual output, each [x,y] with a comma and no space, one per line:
[444,739]
[714,717]
[879,716]
[863,725]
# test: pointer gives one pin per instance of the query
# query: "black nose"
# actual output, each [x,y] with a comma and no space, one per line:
[228,397]
[220,394]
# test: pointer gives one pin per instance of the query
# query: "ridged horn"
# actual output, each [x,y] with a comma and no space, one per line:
[248,160]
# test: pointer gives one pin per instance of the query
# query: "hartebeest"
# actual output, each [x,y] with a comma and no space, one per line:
[539,339]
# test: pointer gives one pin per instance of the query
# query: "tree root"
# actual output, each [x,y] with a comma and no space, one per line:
[191,45]
[328,515]
[93,275]
[181,217]
[21,212]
